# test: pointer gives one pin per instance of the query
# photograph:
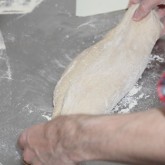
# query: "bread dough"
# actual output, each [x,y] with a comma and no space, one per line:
[103,74]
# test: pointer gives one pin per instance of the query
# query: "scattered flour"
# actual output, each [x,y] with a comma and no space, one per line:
[135,95]
[5,68]
[158,58]
[30,108]
[59,64]
[155,58]
[68,58]
[90,23]
[130,101]
[47,117]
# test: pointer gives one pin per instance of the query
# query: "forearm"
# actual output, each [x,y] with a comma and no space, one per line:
[137,138]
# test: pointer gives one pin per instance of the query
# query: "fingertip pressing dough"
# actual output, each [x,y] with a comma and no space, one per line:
[103,74]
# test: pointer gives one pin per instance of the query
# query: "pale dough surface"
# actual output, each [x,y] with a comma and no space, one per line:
[103,74]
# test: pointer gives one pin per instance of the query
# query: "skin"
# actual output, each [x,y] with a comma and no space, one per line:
[146,6]
[136,138]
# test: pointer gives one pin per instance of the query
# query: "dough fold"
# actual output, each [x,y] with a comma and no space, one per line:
[103,74]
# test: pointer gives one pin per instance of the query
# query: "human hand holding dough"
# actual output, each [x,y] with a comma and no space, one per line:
[103,74]
[146,7]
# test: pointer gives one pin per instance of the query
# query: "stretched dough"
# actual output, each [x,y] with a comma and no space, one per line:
[103,74]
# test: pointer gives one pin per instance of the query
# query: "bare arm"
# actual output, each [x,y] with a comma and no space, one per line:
[137,138]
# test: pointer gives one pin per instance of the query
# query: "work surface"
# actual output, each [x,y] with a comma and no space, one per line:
[39,46]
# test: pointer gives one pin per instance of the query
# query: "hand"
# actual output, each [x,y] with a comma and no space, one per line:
[137,138]
[53,143]
[146,6]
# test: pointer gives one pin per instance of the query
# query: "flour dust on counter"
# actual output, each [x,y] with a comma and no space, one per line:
[130,100]
[156,59]
[2,43]
[5,68]
[45,112]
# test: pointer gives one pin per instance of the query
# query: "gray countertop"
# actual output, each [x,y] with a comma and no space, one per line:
[39,46]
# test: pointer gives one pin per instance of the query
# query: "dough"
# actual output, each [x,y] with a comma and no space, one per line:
[103,74]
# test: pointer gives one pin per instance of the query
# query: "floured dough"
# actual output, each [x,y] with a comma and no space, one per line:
[103,74]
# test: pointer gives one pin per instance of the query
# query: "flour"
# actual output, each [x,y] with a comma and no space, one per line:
[130,101]
[5,73]
[10,37]
[90,23]
[31,108]
[155,58]
[2,43]
[28,108]
[68,58]
[135,95]
[5,68]
[59,64]
[158,58]
[47,117]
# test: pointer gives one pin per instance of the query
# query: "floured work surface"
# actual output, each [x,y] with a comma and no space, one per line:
[39,46]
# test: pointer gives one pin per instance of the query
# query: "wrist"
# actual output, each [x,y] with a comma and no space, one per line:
[127,138]
[95,137]
[138,138]
[75,135]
